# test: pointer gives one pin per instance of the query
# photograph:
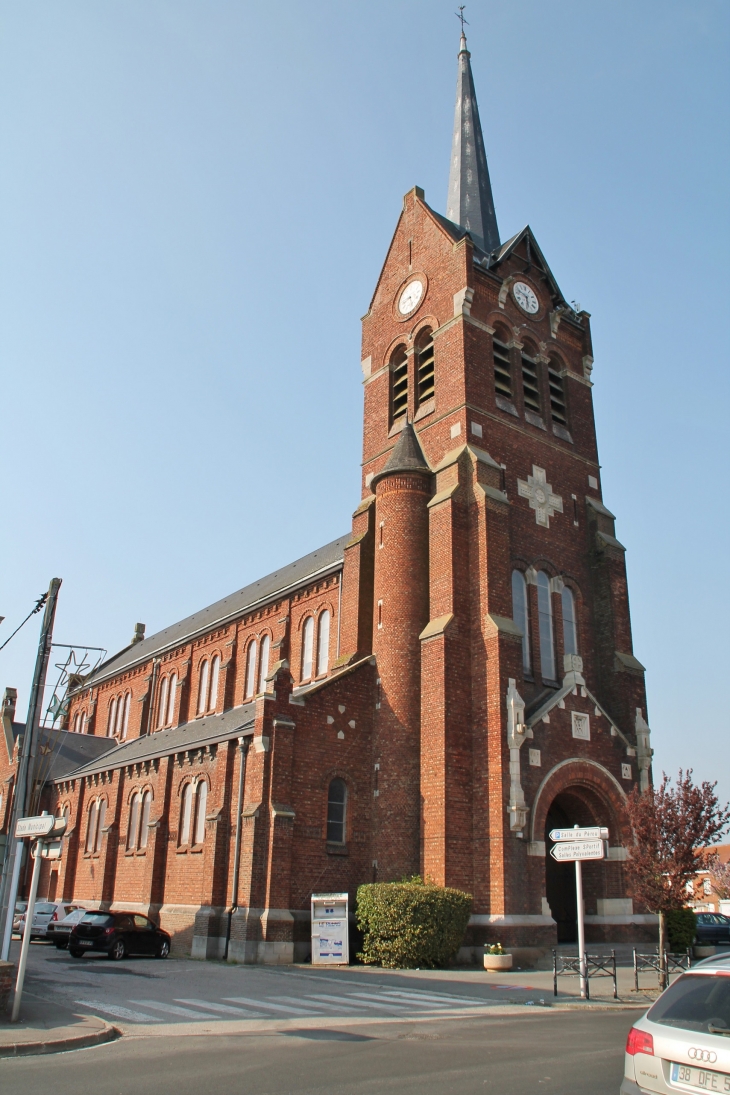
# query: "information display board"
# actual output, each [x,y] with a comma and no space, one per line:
[330,946]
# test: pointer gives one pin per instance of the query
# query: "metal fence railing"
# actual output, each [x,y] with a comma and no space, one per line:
[645,963]
[596,965]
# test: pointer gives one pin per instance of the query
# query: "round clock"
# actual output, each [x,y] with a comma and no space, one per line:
[410,298]
[525,298]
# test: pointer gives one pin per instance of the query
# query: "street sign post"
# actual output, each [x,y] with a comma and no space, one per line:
[37,829]
[573,846]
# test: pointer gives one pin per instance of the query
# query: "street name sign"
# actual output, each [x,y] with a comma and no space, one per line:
[39,826]
[594,832]
[578,849]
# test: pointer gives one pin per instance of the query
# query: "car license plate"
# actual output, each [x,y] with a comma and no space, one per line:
[700,1079]
[89,943]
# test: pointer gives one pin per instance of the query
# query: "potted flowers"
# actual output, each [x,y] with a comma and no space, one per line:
[497,958]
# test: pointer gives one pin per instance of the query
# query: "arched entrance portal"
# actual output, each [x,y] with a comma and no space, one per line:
[574,806]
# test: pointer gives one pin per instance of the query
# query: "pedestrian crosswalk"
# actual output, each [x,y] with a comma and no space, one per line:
[378,1002]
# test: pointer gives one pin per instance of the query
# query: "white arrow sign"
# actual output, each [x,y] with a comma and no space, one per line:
[579,849]
[595,832]
[39,826]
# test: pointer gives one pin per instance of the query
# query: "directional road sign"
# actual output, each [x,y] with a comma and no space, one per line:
[578,849]
[39,826]
[595,832]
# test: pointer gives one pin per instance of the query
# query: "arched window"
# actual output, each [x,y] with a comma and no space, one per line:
[203,687]
[201,802]
[144,825]
[336,810]
[133,825]
[171,699]
[521,615]
[502,366]
[251,669]
[185,812]
[162,706]
[91,827]
[398,383]
[215,669]
[120,717]
[530,382]
[125,718]
[112,718]
[425,365]
[101,815]
[264,662]
[545,615]
[79,719]
[557,392]
[307,645]
[323,642]
[570,631]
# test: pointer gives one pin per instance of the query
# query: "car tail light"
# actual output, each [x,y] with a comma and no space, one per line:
[108,931]
[55,915]
[639,1041]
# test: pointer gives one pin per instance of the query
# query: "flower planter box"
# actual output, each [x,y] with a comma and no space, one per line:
[706,951]
[497,961]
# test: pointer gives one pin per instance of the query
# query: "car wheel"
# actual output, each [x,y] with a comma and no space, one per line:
[163,950]
[75,952]
[59,945]
[118,951]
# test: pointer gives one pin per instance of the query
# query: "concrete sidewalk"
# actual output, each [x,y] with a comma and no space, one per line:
[46,1027]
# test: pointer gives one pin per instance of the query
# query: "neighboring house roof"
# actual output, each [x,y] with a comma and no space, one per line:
[164,743]
[274,585]
[61,752]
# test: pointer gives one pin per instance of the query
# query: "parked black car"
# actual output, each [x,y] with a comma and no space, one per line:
[712,928]
[118,934]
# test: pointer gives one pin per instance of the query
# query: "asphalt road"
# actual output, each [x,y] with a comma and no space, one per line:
[567,1053]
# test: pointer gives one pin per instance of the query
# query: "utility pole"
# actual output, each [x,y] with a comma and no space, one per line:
[26,768]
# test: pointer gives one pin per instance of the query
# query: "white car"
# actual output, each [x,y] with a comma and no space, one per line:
[43,913]
[683,1041]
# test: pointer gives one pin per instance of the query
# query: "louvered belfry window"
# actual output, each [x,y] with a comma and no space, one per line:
[502,370]
[398,383]
[425,364]
[557,395]
[530,385]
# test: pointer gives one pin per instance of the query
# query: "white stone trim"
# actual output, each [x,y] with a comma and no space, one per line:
[523,920]
[562,764]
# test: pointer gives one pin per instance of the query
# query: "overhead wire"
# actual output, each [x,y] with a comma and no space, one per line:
[39,605]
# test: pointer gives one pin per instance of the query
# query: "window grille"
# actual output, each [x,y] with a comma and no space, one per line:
[323,643]
[425,363]
[398,383]
[530,385]
[557,396]
[520,614]
[545,614]
[502,370]
[336,810]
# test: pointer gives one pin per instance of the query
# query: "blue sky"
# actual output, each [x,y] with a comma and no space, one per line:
[195,201]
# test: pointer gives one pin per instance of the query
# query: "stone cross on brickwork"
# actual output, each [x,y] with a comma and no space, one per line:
[541,497]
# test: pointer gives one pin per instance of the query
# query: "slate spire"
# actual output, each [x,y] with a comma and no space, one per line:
[407,456]
[470,203]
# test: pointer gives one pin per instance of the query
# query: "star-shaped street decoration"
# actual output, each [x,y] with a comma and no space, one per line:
[540,495]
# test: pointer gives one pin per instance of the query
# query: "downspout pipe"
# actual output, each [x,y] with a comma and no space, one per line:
[243,752]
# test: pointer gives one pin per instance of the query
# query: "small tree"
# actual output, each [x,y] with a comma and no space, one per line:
[720,875]
[670,826]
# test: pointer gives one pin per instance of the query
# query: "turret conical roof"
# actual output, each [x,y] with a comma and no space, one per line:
[406,456]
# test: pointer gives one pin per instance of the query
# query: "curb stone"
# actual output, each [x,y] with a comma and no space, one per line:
[108,1033]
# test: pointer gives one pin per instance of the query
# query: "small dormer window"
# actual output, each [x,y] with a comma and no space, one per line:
[398,383]
[502,369]
[530,385]
[425,364]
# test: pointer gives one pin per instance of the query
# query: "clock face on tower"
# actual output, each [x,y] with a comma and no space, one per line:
[410,298]
[525,298]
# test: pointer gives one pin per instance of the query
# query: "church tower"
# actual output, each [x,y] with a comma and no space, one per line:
[509,695]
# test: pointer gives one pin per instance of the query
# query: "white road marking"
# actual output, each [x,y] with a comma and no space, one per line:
[346,1001]
[269,1007]
[226,1009]
[173,1009]
[119,1012]
[320,1004]
[439,998]
[380,1002]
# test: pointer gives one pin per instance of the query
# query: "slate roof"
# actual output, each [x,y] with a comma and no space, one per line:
[407,455]
[163,743]
[290,577]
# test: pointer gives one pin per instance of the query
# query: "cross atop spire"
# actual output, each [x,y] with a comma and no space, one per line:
[470,203]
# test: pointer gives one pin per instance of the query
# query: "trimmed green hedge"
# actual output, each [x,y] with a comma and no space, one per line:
[411,925]
[681,929]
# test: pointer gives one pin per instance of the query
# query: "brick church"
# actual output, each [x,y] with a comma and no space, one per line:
[428,694]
